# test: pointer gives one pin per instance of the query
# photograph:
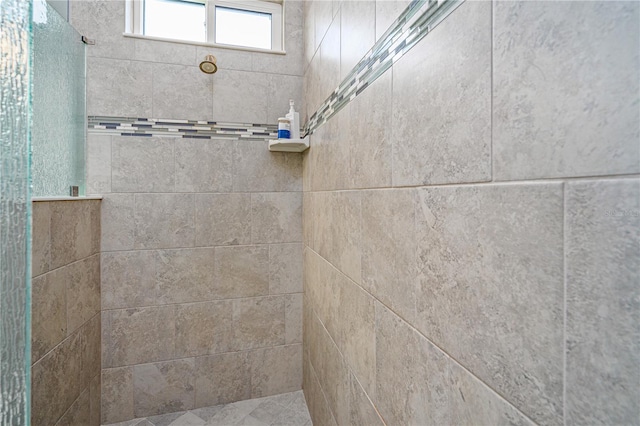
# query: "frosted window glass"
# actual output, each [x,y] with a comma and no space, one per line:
[175,19]
[243,28]
[15,208]
[59,114]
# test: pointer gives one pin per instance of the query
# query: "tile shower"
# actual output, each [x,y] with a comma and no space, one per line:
[460,245]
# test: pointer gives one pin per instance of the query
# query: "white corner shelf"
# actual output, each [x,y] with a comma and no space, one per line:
[289,145]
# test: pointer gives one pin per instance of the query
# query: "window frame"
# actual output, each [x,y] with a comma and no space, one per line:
[135,14]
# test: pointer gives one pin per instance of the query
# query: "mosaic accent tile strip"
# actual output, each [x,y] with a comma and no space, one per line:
[417,20]
[188,129]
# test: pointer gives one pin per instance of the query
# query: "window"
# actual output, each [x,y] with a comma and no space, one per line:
[255,24]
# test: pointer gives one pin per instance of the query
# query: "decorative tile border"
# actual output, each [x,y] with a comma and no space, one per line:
[188,129]
[417,20]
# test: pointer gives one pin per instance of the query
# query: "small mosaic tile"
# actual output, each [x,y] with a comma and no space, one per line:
[415,22]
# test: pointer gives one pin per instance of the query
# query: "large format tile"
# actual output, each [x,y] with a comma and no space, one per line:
[282,89]
[222,378]
[337,233]
[128,279]
[387,11]
[182,92]
[411,374]
[276,217]
[142,164]
[389,268]
[119,88]
[361,409]
[98,163]
[75,231]
[240,96]
[134,336]
[242,271]
[165,52]
[258,169]
[566,89]
[491,256]
[204,165]
[276,370]
[293,318]
[56,381]
[259,322]
[603,302]
[204,328]
[104,24]
[223,219]
[285,268]
[117,394]
[40,238]
[471,402]
[445,80]
[118,224]
[163,387]
[357,32]
[370,141]
[82,279]
[164,221]
[185,275]
[95,395]
[79,413]
[49,313]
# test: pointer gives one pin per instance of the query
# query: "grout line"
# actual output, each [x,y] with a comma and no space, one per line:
[531,181]
[491,86]
[194,357]
[564,318]
[425,337]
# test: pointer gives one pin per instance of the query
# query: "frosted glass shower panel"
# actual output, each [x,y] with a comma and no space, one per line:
[15,207]
[59,117]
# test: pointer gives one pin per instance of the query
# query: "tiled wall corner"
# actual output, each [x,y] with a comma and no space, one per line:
[65,312]
[454,253]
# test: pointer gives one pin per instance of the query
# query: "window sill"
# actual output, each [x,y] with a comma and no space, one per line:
[197,43]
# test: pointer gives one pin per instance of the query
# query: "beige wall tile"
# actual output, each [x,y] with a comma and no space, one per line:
[129,279]
[276,217]
[165,53]
[293,318]
[73,226]
[48,313]
[204,328]
[389,267]
[259,322]
[240,96]
[258,169]
[223,219]
[222,378]
[411,374]
[117,394]
[142,164]
[163,387]
[362,412]
[94,400]
[504,276]
[357,32]
[285,268]
[118,226]
[276,370]
[242,271]
[565,89]
[185,275]
[204,165]
[602,238]
[91,346]
[138,335]
[98,163]
[182,92]
[119,88]
[82,279]
[450,71]
[164,221]
[79,413]
[56,381]
[41,238]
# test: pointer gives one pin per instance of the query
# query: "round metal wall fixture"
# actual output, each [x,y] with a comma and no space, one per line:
[208,66]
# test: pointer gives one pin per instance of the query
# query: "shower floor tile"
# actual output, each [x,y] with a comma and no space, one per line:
[287,409]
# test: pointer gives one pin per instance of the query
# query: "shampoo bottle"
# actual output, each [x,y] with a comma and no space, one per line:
[294,120]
